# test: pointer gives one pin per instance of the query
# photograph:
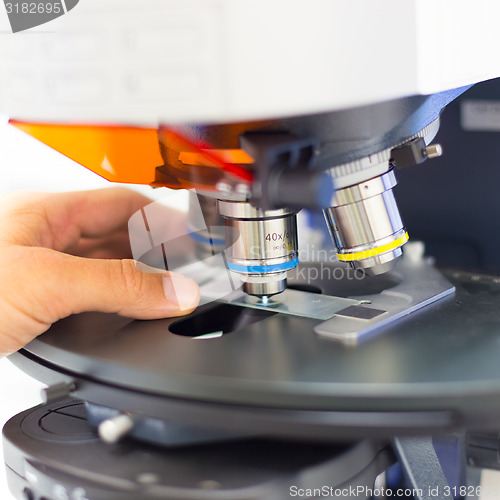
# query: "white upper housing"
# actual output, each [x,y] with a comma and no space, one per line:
[149,61]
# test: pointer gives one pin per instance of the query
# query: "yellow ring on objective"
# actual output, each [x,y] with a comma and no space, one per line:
[347,257]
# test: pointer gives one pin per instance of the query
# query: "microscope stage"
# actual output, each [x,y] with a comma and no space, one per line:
[433,370]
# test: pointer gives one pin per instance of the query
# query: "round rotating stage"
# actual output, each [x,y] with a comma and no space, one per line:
[435,370]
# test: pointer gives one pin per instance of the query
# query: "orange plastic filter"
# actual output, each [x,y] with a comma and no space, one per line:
[119,154]
[134,154]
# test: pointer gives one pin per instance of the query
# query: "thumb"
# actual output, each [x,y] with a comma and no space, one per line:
[120,286]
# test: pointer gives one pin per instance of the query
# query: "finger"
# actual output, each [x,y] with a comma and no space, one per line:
[59,220]
[52,285]
[117,286]
[116,246]
[99,212]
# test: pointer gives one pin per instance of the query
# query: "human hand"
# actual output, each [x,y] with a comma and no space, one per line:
[66,253]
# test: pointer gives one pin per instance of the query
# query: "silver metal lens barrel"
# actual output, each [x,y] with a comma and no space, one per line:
[365,224]
[260,245]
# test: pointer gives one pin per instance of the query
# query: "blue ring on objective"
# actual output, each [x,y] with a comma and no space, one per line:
[203,239]
[271,268]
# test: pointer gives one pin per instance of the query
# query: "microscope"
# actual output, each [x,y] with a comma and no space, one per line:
[299,379]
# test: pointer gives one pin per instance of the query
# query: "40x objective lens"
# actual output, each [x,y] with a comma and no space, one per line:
[261,245]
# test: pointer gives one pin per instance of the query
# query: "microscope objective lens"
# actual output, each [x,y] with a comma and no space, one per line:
[261,246]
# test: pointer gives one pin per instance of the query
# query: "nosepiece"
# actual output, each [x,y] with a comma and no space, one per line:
[366,226]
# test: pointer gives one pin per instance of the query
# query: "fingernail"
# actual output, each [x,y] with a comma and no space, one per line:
[181,291]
